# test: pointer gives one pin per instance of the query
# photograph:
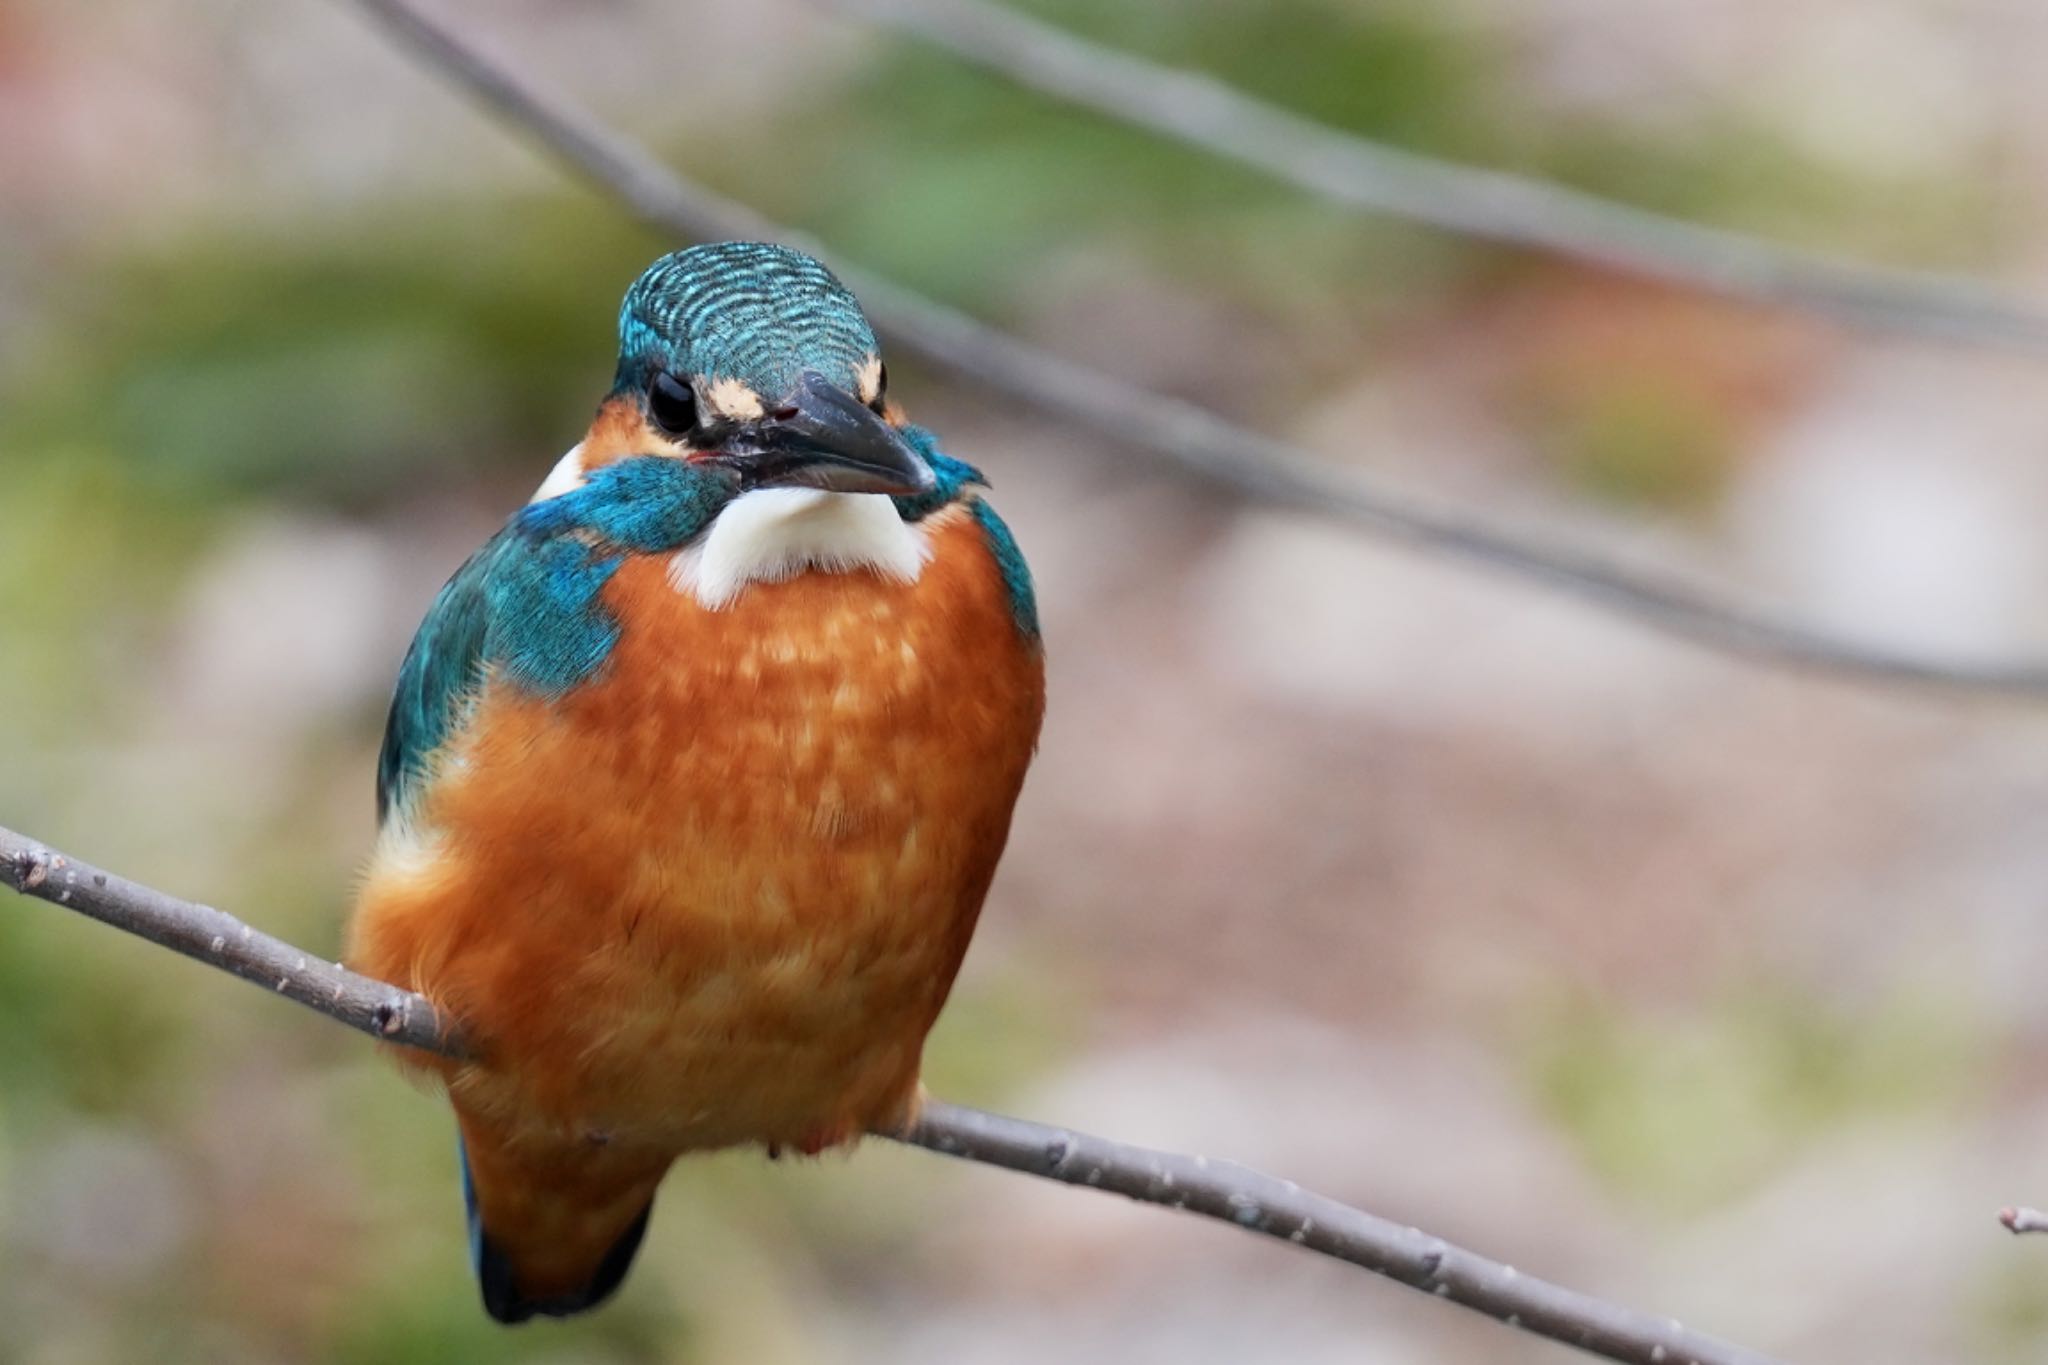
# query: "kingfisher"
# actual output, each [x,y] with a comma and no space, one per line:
[697,773]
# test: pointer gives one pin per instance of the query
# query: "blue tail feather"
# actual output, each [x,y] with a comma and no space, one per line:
[502,1299]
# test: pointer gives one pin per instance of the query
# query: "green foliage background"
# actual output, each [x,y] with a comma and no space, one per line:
[162,390]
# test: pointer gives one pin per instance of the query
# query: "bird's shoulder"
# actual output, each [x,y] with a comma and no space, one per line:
[528,604]
[959,485]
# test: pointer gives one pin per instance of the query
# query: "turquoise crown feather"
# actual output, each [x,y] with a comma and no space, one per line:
[751,311]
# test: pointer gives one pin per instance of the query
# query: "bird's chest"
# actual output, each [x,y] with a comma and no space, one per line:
[744,858]
[834,726]
[793,673]
[811,716]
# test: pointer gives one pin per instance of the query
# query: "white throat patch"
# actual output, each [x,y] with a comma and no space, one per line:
[775,533]
[565,477]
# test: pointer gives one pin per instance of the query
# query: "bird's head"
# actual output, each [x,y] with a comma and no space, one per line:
[755,357]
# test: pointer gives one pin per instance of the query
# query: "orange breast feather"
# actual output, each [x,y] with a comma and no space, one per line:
[717,894]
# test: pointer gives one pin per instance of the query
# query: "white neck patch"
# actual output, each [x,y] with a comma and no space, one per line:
[565,477]
[771,534]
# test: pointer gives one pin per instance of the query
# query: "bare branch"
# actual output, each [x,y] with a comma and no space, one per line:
[1283,1210]
[1214,1189]
[2022,1219]
[1179,435]
[218,939]
[1493,206]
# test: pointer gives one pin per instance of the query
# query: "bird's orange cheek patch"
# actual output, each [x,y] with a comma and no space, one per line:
[621,430]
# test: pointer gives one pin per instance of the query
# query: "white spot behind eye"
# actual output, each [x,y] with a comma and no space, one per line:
[870,379]
[731,398]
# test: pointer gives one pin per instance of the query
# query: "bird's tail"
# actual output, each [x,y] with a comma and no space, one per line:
[552,1231]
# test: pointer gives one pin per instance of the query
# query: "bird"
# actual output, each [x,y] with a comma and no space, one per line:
[697,772]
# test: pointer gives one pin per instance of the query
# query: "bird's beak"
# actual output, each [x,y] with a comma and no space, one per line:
[824,437]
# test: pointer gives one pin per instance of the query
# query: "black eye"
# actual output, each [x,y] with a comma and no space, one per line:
[672,404]
[881,389]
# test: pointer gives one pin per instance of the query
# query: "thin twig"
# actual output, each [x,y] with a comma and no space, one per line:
[1180,435]
[218,939]
[1494,206]
[1214,1189]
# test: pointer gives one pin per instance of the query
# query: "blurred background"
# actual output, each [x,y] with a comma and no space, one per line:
[1706,988]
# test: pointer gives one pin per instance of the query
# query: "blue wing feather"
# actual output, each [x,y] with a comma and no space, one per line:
[528,603]
[1016,573]
[440,673]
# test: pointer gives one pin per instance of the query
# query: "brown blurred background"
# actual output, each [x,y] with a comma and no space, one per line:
[1703,987]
